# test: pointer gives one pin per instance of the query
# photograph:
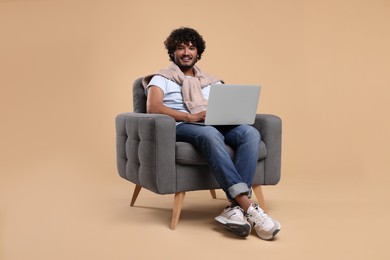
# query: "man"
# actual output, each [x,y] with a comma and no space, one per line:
[181,91]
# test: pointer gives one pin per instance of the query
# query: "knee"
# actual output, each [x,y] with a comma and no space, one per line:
[255,134]
[250,133]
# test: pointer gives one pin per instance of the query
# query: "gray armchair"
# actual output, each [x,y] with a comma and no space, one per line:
[149,156]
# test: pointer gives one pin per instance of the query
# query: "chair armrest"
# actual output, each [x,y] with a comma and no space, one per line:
[270,128]
[145,145]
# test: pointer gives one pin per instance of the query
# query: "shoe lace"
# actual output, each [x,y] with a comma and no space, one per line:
[259,218]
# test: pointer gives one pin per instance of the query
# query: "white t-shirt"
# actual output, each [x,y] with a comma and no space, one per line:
[173,97]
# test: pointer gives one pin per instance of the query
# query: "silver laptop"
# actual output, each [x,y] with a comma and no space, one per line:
[232,104]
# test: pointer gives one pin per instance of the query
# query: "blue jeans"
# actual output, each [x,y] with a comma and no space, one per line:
[234,176]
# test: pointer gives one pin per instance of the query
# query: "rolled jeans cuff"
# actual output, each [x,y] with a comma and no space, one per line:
[239,188]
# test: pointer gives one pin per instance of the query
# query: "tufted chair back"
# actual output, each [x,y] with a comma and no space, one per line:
[139,97]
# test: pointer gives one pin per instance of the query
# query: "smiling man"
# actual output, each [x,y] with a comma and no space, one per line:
[181,91]
[185,56]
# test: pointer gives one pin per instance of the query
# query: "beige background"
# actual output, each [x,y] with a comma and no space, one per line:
[66,69]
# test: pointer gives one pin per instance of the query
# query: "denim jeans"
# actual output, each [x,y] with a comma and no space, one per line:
[234,176]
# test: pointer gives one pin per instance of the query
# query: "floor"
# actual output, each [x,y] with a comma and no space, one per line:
[81,212]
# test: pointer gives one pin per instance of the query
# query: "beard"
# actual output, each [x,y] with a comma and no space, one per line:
[185,66]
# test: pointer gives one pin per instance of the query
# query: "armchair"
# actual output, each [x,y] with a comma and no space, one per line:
[149,156]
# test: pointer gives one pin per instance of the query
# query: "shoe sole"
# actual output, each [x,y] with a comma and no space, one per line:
[242,230]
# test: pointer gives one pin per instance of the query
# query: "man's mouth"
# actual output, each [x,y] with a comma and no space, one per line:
[186,59]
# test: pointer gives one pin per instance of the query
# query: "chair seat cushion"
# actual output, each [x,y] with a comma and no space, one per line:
[186,153]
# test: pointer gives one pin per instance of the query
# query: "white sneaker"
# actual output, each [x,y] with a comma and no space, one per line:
[234,220]
[266,228]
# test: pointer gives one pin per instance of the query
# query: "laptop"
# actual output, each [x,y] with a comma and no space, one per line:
[232,104]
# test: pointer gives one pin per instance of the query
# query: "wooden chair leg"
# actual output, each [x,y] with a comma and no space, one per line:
[213,194]
[260,196]
[137,189]
[177,204]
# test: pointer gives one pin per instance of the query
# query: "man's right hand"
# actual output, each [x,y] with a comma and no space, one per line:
[198,117]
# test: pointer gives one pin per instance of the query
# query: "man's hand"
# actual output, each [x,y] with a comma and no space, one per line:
[198,117]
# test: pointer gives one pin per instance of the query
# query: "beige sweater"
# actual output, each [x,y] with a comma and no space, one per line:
[191,86]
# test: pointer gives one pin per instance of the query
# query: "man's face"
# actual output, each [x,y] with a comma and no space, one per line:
[185,56]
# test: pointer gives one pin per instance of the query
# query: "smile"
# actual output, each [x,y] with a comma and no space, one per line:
[186,59]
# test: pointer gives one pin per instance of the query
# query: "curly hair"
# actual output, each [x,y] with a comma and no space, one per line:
[184,35]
